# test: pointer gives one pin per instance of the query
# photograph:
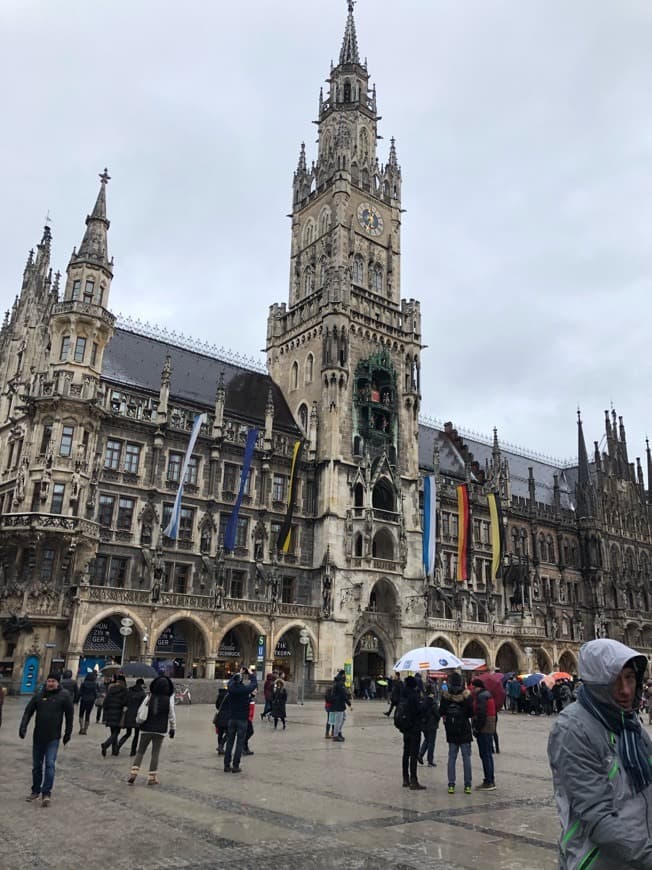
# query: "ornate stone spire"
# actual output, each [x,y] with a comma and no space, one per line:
[94,248]
[584,495]
[349,51]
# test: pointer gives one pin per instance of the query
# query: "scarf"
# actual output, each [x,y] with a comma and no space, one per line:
[632,749]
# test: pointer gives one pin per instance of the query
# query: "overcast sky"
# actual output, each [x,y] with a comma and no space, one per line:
[524,133]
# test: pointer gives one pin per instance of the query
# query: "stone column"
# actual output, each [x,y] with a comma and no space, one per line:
[210,669]
[72,661]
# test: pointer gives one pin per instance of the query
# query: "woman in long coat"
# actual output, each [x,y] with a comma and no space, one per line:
[113,709]
[279,700]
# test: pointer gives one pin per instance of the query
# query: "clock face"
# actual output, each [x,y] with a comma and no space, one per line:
[370,220]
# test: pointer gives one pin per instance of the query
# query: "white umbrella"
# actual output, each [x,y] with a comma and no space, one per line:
[427,658]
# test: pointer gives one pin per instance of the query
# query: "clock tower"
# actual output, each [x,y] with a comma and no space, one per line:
[346,348]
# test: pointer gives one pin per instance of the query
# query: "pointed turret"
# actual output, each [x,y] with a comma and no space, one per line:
[349,51]
[584,495]
[94,249]
[648,455]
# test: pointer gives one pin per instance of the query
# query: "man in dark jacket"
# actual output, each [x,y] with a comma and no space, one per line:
[412,701]
[50,706]
[70,686]
[135,696]
[429,725]
[395,690]
[456,710]
[340,701]
[240,688]
[87,695]
[484,728]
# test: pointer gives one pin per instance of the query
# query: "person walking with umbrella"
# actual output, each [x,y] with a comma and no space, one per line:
[156,719]
[115,706]
[135,696]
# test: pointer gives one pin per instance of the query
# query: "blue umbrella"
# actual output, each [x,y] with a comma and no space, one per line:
[532,680]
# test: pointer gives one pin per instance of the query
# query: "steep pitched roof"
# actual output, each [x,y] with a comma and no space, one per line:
[135,360]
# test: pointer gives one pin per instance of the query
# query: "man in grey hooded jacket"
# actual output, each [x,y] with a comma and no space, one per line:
[600,760]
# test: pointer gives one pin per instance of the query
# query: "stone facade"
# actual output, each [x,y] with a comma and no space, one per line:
[95,417]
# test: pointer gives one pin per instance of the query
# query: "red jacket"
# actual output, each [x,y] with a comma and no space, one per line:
[484,712]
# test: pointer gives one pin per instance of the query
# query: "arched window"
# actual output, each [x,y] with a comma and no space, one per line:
[358,495]
[365,179]
[309,233]
[324,221]
[310,362]
[515,542]
[308,281]
[357,546]
[303,417]
[322,272]
[358,270]
[357,446]
[377,278]
[347,91]
[551,549]
[543,550]
[524,542]
[294,376]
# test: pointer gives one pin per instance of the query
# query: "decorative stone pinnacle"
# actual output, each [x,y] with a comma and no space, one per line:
[104,176]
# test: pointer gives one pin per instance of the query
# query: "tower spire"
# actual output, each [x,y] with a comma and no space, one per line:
[349,51]
[94,249]
[584,496]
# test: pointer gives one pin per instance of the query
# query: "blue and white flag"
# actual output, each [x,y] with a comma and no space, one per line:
[172,528]
[232,525]
[429,524]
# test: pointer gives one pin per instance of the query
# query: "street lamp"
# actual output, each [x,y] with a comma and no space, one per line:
[304,640]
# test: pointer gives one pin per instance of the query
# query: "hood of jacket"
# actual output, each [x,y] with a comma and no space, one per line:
[458,697]
[603,659]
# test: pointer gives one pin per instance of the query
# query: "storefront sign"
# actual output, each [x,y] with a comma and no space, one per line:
[282,650]
[104,637]
[171,640]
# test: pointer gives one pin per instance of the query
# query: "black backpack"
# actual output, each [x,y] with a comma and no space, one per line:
[403,719]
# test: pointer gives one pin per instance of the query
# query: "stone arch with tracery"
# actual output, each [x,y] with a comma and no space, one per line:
[507,658]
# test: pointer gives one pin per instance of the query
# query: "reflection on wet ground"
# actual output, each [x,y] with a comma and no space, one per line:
[300,801]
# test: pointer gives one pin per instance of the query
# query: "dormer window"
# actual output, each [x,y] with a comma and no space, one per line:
[89,289]
[76,289]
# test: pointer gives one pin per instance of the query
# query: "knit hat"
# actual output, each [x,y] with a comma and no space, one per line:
[410,682]
[54,675]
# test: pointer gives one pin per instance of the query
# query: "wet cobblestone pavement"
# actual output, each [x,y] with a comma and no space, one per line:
[301,801]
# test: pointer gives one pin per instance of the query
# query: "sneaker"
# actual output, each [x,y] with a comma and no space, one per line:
[236,770]
[467,789]
[487,786]
[338,739]
[432,764]
[420,759]
[416,786]
[34,796]
[46,801]
[247,752]
[451,789]
[227,768]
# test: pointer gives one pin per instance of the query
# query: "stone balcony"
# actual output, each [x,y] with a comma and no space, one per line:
[499,628]
[50,524]
[190,601]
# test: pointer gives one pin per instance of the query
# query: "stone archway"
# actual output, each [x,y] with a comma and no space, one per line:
[443,642]
[180,648]
[543,661]
[370,660]
[507,658]
[475,649]
[238,646]
[568,662]
[102,641]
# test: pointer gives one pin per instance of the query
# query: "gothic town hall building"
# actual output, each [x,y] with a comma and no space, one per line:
[95,417]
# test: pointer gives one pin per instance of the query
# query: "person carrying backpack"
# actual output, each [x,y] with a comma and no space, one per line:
[408,718]
[456,710]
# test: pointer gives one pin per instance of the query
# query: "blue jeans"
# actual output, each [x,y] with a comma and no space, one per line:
[338,720]
[43,754]
[236,733]
[428,745]
[486,750]
[465,749]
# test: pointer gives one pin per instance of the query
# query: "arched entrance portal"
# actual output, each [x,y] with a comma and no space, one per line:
[104,644]
[475,650]
[568,663]
[544,663]
[443,642]
[369,658]
[180,650]
[506,659]
[238,647]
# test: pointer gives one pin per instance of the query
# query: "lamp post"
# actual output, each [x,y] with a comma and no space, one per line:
[304,640]
[125,630]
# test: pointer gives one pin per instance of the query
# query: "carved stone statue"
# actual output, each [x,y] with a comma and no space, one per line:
[326,595]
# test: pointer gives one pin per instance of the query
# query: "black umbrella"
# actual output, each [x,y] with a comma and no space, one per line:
[139,669]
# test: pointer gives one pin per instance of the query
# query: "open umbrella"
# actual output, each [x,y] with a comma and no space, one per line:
[427,658]
[108,670]
[139,669]
[560,675]
[532,680]
[494,684]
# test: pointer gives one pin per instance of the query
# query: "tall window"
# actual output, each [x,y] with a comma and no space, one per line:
[113,454]
[236,589]
[230,472]
[80,349]
[89,290]
[66,440]
[358,270]
[167,515]
[181,577]
[186,523]
[56,505]
[118,572]
[105,510]
[192,470]
[132,457]
[205,539]
[94,353]
[309,368]
[65,347]
[377,279]
[294,376]
[45,439]
[287,590]
[47,564]
[241,532]
[279,485]
[99,570]
[175,461]
[76,289]
[274,532]
[303,417]
[125,512]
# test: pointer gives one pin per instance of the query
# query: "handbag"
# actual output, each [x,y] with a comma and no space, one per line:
[99,701]
[143,710]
